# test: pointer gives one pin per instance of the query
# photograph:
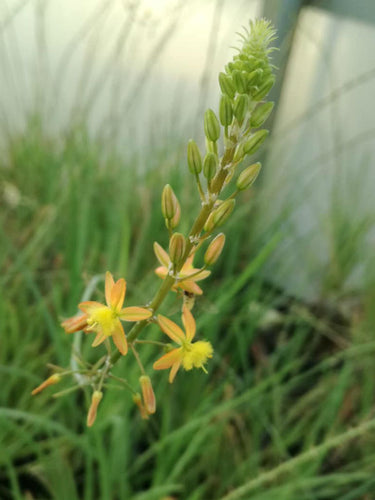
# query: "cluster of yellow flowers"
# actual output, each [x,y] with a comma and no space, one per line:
[243,110]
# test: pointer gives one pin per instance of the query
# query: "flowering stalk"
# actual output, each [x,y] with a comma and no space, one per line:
[243,109]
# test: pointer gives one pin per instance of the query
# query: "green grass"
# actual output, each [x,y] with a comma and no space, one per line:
[286,384]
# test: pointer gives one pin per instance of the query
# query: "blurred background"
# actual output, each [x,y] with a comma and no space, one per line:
[98,101]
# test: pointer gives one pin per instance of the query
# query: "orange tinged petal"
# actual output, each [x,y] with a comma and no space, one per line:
[109,283]
[74,324]
[89,306]
[100,337]
[173,371]
[148,394]
[198,277]
[189,323]
[118,294]
[190,286]
[161,272]
[134,313]
[120,340]
[167,360]
[170,328]
[161,255]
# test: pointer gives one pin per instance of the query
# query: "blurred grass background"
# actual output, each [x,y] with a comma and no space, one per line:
[293,370]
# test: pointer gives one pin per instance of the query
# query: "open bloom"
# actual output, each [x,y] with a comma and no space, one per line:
[189,354]
[105,319]
[186,277]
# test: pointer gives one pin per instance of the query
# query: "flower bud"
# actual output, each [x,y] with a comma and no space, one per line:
[225,111]
[214,249]
[241,107]
[148,394]
[254,76]
[248,176]
[220,215]
[169,202]
[255,141]
[52,380]
[209,165]
[95,400]
[211,126]
[142,410]
[177,245]
[264,89]
[239,80]
[176,218]
[260,114]
[226,85]
[194,157]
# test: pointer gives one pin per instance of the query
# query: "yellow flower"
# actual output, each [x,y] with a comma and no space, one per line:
[189,354]
[187,276]
[105,319]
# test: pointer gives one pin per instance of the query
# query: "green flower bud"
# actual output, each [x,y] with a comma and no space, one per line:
[194,157]
[209,166]
[255,141]
[239,154]
[211,126]
[169,202]
[177,245]
[241,106]
[239,80]
[260,114]
[226,85]
[226,111]
[214,249]
[220,215]
[264,89]
[254,77]
[248,176]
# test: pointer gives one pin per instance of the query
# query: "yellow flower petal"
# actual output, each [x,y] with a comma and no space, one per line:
[191,287]
[168,360]
[100,337]
[118,294]
[109,283]
[90,306]
[174,370]
[170,328]
[134,313]
[120,340]
[189,323]
[161,272]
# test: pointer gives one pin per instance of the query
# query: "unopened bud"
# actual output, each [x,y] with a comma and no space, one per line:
[177,245]
[148,394]
[254,76]
[241,107]
[260,114]
[226,85]
[52,380]
[176,218]
[142,410]
[264,89]
[194,157]
[169,202]
[209,165]
[220,215]
[240,81]
[95,400]
[225,111]
[211,126]
[214,249]
[255,141]
[248,176]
